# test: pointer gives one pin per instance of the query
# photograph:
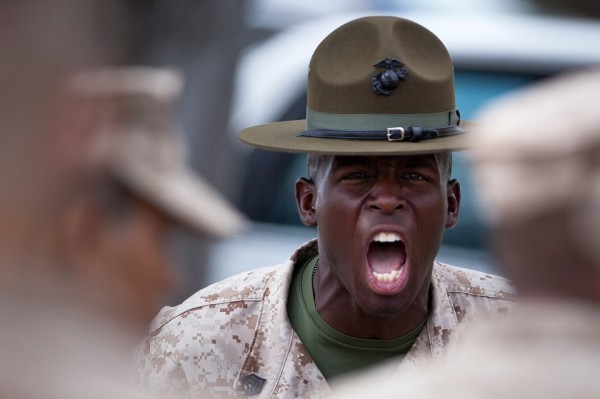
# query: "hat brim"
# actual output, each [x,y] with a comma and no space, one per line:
[187,198]
[284,136]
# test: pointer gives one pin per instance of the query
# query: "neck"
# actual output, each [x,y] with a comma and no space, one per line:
[341,311]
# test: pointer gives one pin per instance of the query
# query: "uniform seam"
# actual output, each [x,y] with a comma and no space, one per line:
[289,350]
[498,296]
[442,283]
[200,307]
[258,324]
[253,297]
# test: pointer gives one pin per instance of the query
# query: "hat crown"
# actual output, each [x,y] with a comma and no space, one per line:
[344,64]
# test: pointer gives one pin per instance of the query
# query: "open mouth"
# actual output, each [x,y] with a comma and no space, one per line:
[386,256]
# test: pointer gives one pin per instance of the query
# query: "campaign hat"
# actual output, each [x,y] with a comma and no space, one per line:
[376,85]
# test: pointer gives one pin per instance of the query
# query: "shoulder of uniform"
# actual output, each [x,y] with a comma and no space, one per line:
[473,282]
[248,286]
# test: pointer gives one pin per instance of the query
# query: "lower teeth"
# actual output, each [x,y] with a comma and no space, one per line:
[387,277]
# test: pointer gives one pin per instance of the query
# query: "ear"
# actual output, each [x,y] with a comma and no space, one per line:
[305,201]
[453,197]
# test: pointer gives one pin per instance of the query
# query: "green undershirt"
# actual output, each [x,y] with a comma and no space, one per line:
[333,352]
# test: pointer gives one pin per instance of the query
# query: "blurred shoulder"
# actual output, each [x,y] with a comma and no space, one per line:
[241,289]
[473,282]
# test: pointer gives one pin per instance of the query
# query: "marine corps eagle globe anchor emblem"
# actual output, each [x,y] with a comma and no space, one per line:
[384,82]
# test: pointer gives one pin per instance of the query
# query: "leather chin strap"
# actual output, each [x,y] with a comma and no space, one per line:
[410,134]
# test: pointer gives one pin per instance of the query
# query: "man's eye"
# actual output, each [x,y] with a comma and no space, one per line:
[355,176]
[413,176]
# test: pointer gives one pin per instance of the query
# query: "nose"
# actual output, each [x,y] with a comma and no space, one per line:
[386,195]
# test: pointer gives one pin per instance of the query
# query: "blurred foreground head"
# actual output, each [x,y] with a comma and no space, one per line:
[41,43]
[106,246]
[537,162]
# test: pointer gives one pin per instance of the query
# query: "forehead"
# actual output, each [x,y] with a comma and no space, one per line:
[429,161]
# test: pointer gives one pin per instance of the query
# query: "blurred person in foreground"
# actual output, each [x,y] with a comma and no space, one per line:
[537,162]
[83,297]
[380,129]
[41,43]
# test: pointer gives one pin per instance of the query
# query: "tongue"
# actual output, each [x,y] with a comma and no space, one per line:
[385,257]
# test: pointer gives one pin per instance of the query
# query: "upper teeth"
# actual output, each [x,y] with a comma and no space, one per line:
[386,237]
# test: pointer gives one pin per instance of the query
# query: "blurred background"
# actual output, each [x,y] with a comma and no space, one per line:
[245,63]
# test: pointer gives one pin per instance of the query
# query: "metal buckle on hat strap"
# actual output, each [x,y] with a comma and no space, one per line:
[412,133]
[392,130]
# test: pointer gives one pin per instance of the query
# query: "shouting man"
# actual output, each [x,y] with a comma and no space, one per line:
[381,124]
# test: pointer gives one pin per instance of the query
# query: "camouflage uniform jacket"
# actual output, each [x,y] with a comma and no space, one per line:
[234,339]
[547,348]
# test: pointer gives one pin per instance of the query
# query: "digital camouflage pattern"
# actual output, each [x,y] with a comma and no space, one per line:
[545,349]
[233,339]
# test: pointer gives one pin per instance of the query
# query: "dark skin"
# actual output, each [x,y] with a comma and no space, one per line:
[120,263]
[352,201]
